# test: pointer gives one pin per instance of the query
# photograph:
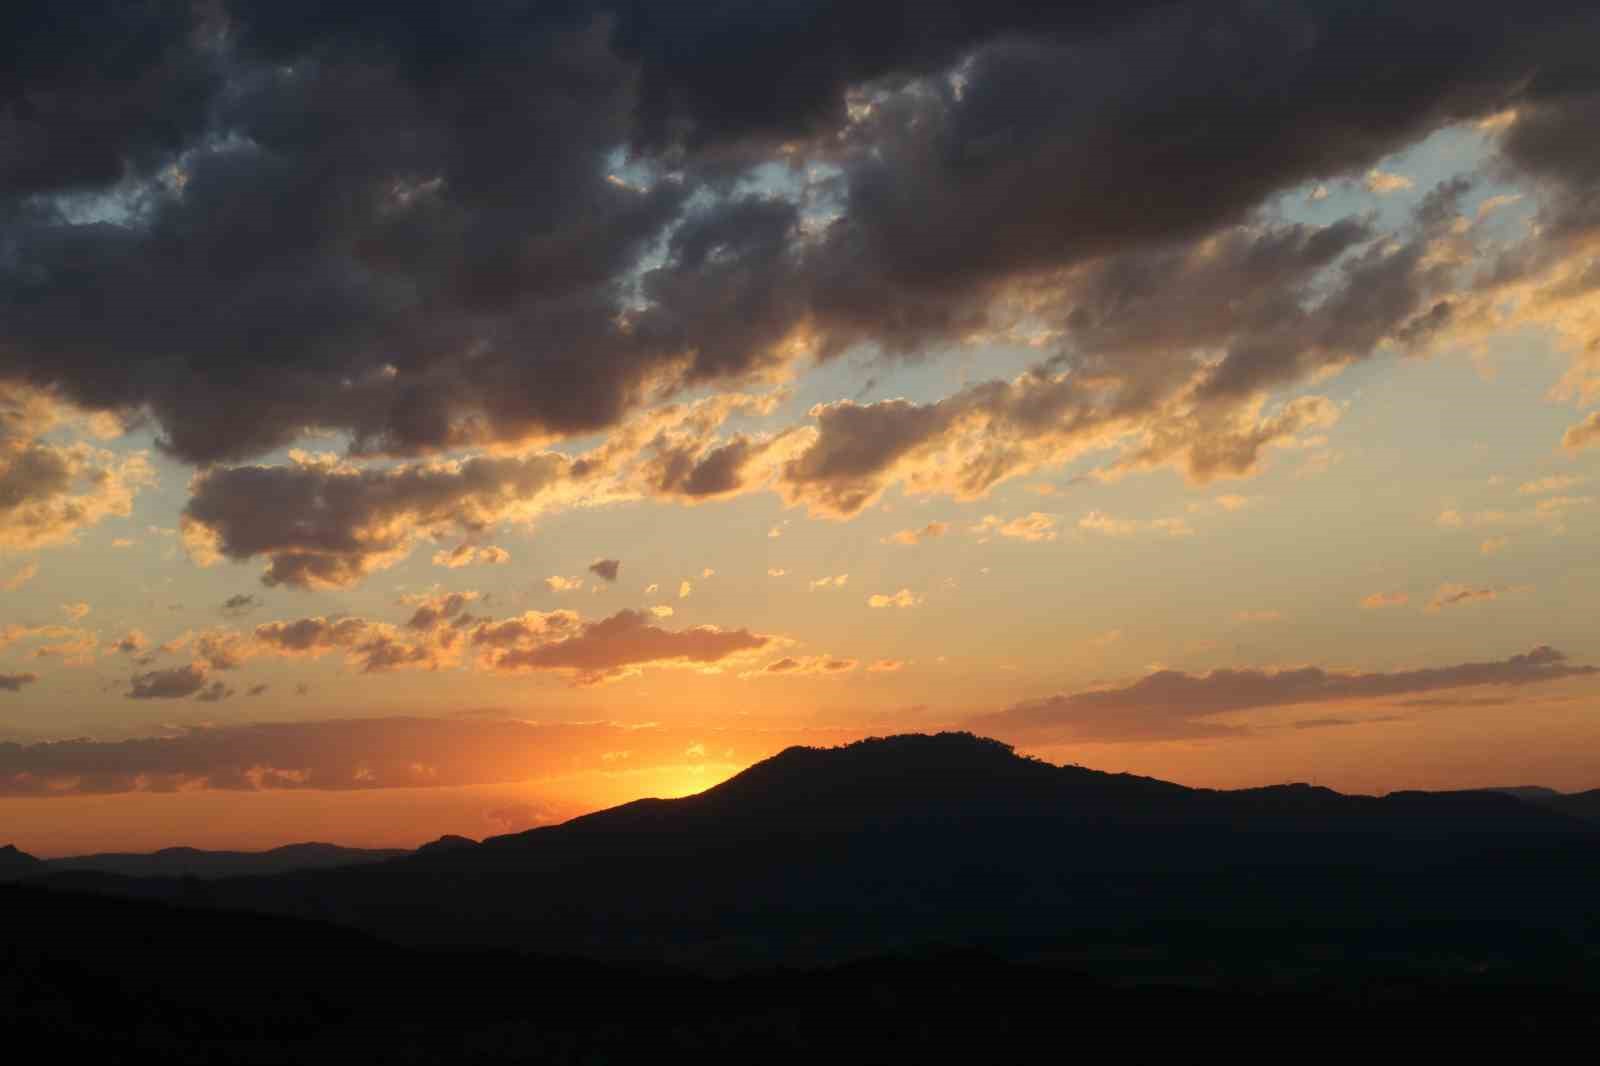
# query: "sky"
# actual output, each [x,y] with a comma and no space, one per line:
[451,418]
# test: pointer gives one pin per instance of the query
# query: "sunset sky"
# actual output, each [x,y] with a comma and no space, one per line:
[453,417]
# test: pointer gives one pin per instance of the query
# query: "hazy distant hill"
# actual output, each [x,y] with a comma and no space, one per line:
[192,862]
[818,855]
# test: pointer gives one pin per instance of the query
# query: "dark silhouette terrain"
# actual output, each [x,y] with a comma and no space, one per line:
[816,857]
[193,862]
[99,979]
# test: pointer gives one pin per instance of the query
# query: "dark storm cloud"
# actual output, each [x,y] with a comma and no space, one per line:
[253,219]
[323,526]
[1170,704]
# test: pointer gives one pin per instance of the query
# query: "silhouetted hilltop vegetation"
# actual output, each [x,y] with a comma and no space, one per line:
[193,862]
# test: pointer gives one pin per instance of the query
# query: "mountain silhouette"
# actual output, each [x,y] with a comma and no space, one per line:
[193,862]
[14,863]
[820,855]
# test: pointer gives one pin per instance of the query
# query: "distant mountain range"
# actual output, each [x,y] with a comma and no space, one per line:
[192,862]
[821,855]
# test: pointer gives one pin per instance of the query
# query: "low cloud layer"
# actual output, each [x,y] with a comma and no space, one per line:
[369,754]
[1170,704]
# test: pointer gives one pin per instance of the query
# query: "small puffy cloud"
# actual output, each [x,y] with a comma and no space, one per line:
[661,610]
[708,572]
[776,531]
[1100,522]
[175,684]
[1379,600]
[257,690]
[131,644]
[931,531]
[471,555]
[215,692]
[1453,595]
[557,583]
[1231,502]
[1585,434]
[15,682]
[1384,183]
[776,571]
[77,610]
[836,581]
[241,604]
[433,611]
[684,589]
[886,666]
[1493,545]
[123,542]
[903,598]
[19,577]
[1034,527]
[806,666]
[651,589]
[606,569]
[1320,192]
[1553,483]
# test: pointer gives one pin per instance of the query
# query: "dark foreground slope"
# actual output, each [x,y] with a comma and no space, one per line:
[97,979]
[817,856]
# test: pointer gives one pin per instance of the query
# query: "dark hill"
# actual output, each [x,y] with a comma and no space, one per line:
[820,855]
[193,862]
[14,863]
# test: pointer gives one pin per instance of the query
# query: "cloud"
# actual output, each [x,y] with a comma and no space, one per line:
[558,583]
[372,647]
[886,666]
[1380,600]
[76,611]
[327,526]
[15,682]
[776,571]
[684,588]
[661,610]
[1493,545]
[1553,483]
[49,492]
[606,569]
[20,577]
[931,531]
[366,754]
[617,647]
[134,642]
[434,611]
[1384,183]
[651,589]
[174,684]
[1100,522]
[834,581]
[1585,434]
[806,666]
[903,598]
[240,604]
[1453,595]
[469,555]
[1170,704]
[1034,527]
